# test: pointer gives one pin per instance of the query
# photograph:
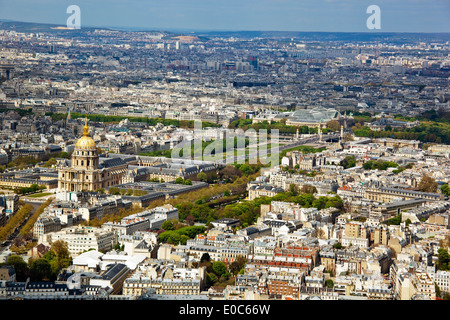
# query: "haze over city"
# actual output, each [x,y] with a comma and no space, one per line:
[272,15]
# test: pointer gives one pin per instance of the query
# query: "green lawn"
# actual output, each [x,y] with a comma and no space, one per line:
[39,195]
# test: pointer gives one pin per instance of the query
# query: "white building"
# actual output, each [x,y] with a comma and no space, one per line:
[81,238]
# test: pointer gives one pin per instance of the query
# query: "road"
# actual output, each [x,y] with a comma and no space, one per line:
[6,244]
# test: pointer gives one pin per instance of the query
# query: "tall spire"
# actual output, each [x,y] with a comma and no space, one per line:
[85,129]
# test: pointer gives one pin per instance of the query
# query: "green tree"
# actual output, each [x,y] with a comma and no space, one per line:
[445,189]
[114,191]
[202,176]
[211,279]
[20,267]
[237,265]
[443,262]
[348,162]
[219,268]
[293,189]
[40,270]
[50,162]
[337,245]
[179,180]
[167,225]
[395,220]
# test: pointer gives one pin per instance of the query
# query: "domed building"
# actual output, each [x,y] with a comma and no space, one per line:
[84,171]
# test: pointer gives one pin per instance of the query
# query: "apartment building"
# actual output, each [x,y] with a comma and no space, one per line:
[83,238]
[112,278]
[356,234]
[442,279]
[384,194]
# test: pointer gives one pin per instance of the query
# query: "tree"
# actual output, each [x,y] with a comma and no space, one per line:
[62,256]
[190,219]
[445,189]
[167,225]
[348,137]
[337,245]
[348,162]
[179,180]
[293,189]
[246,169]
[308,189]
[202,176]
[237,265]
[334,125]
[40,270]
[50,162]
[395,220]
[427,184]
[443,262]
[211,279]
[219,268]
[205,257]
[20,267]
[114,191]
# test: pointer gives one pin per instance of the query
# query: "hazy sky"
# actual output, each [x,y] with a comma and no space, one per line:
[276,15]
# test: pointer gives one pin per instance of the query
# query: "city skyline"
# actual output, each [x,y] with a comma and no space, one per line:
[140,163]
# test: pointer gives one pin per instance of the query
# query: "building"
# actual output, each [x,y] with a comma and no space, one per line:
[355,234]
[7,273]
[112,278]
[442,279]
[85,171]
[315,117]
[262,190]
[45,224]
[384,194]
[80,239]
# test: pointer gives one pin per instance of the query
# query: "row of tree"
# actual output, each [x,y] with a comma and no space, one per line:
[15,221]
[28,227]
[426,132]
[126,192]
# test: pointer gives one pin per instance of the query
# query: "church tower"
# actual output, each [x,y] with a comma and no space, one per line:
[84,172]
[85,156]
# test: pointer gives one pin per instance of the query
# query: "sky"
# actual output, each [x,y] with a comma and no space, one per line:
[239,15]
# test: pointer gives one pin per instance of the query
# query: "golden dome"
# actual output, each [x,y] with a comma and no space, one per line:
[85,142]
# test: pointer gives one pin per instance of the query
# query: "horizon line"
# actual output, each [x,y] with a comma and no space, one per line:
[187,30]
